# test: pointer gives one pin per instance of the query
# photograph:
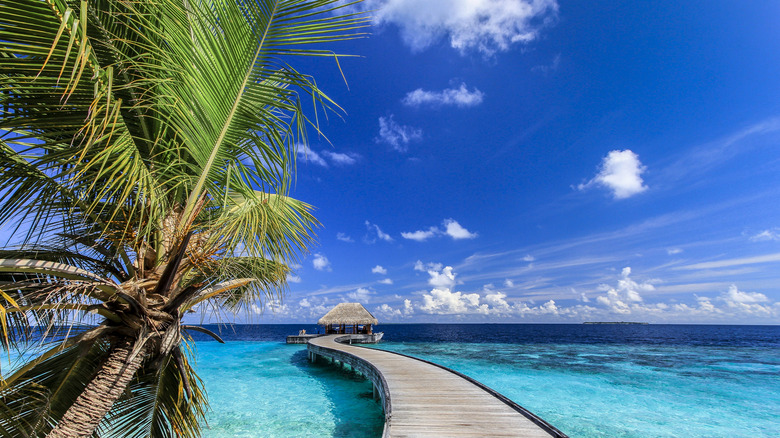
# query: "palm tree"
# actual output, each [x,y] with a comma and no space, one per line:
[147,149]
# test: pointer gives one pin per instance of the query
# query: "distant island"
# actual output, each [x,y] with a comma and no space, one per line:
[615,322]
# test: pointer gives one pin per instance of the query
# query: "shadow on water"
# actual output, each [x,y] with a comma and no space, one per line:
[351,395]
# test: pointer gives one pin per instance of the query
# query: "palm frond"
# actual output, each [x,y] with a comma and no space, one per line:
[38,395]
[161,403]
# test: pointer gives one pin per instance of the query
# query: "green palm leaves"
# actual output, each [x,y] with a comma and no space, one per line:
[146,153]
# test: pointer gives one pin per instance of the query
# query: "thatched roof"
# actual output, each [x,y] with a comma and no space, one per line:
[348,313]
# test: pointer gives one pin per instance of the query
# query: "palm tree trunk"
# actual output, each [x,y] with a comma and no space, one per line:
[83,417]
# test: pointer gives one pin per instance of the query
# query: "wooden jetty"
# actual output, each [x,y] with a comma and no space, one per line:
[423,399]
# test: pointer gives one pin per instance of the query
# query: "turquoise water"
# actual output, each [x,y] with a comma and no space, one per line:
[269,389]
[627,390]
[588,381]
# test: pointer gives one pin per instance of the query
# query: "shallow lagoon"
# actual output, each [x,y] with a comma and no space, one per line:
[646,381]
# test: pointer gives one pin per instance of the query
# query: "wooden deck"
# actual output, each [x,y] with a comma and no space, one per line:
[423,399]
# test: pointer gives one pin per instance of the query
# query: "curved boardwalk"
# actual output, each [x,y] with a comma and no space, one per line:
[422,399]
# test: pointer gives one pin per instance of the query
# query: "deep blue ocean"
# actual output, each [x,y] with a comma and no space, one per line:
[587,380]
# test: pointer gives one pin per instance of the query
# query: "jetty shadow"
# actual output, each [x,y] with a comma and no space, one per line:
[356,413]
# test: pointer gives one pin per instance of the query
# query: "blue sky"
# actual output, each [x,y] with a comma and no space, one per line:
[547,161]
[516,161]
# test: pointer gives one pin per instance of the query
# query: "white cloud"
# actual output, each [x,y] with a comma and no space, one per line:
[312,157]
[746,302]
[450,228]
[509,283]
[341,159]
[378,269]
[767,235]
[386,281]
[620,299]
[423,267]
[344,238]
[735,295]
[460,97]
[321,263]
[621,172]
[421,236]
[734,262]
[443,301]
[529,258]
[674,251]
[361,295]
[408,309]
[486,26]
[397,136]
[376,233]
[337,158]
[549,307]
[390,312]
[444,278]
[387,311]
[293,278]
[456,231]
[497,300]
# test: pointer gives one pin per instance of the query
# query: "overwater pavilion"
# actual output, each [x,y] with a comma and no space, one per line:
[348,318]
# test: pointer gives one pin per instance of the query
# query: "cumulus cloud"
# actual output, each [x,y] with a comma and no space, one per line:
[453,229]
[421,235]
[378,269]
[321,263]
[361,295]
[620,299]
[497,300]
[443,278]
[486,26]
[293,278]
[620,172]
[396,135]
[389,312]
[374,233]
[746,302]
[509,283]
[423,267]
[450,228]
[460,97]
[529,258]
[443,301]
[344,238]
[386,281]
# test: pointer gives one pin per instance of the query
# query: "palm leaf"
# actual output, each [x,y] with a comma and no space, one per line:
[157,404]
[38,395]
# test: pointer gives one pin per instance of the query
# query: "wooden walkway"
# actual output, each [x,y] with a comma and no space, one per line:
[423,399]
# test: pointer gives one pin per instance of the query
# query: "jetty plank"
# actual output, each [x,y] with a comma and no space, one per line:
[422,399]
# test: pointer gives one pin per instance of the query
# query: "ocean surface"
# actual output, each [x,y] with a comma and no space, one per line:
[637,381]
[587,380]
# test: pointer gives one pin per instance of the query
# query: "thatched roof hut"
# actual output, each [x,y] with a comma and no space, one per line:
[348,314]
